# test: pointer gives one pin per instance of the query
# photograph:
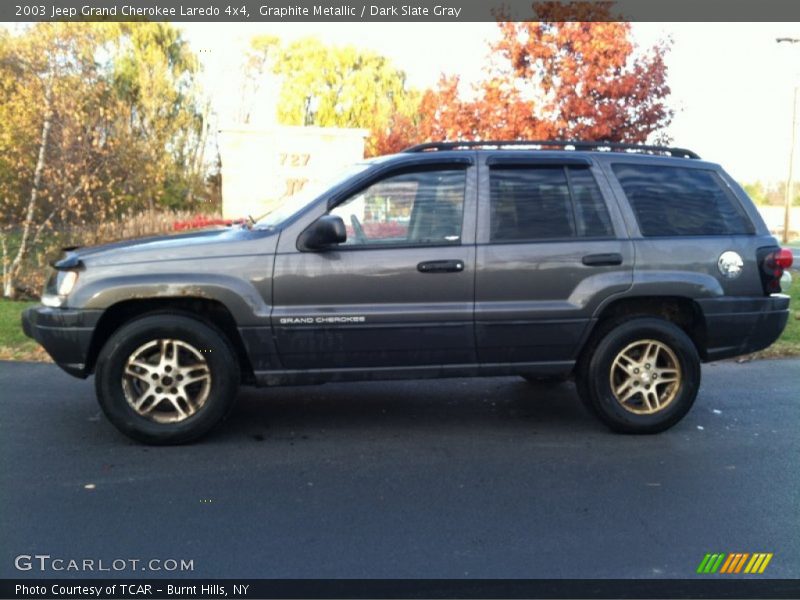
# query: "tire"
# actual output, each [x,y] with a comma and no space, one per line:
[617,357]
[171,411]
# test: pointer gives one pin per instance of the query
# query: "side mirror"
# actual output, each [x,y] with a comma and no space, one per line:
[326,231]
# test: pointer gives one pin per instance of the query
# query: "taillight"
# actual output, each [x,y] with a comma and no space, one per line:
[783,258]
[774,261]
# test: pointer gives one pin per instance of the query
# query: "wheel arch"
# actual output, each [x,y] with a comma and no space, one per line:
[684,312]
[208,311]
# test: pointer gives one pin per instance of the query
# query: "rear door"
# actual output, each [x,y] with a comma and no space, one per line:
[550,250]
[400,291]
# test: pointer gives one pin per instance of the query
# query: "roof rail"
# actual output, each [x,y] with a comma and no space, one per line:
[557,145]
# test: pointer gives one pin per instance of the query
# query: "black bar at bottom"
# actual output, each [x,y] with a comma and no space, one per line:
[212,589]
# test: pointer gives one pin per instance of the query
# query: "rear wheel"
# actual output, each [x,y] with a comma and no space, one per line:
[640,376]
[166,379]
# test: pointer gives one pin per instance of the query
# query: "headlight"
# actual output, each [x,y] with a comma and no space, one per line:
[58,287]
[65,281]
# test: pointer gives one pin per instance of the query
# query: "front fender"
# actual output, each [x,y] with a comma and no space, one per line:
[239,296]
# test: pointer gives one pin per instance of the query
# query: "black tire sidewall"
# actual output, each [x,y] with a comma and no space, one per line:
[598,384]
[114,355]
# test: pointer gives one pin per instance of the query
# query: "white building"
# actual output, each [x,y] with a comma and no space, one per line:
[262,166]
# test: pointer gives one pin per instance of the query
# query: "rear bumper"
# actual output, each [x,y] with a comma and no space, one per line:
[65,334]
[736,326]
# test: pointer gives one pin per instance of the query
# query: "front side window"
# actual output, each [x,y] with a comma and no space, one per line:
[674,201]
[546,202]
[417,208]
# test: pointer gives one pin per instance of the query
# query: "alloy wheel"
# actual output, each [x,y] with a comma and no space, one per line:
[645,377]
[166,380]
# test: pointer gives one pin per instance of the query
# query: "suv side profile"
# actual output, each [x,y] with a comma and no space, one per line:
[623,266]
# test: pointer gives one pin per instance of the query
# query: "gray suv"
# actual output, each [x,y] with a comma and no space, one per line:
[622,266]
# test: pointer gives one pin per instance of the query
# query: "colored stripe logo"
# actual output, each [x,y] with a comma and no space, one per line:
[735,562]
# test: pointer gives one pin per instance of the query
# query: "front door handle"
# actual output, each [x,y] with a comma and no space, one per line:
[441,266]
[602,260]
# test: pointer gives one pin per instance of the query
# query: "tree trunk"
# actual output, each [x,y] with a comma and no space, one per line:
[198,155]
[6,281]
[9,285]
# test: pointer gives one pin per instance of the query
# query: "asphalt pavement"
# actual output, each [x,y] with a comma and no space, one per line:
[451,478]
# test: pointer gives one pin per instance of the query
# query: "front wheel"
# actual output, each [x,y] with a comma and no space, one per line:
[166,379]
[641,375]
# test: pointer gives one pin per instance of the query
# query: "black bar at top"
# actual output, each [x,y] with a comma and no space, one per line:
[386,10]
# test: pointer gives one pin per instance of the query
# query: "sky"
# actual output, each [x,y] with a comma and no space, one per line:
[732,84]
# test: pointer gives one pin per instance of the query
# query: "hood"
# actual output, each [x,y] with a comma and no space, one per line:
[198,244]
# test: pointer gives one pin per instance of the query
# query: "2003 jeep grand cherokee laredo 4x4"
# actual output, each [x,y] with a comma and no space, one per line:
[623,266]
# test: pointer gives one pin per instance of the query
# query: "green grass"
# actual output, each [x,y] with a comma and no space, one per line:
[789,342]
[15,346]
[13,343]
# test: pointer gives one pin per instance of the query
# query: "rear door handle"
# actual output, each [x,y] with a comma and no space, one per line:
[602,260]
[441,266]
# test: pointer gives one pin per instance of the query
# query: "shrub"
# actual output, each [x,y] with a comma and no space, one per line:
[129,225]
[200,221]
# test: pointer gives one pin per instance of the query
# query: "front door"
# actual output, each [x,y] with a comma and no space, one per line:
[399,292]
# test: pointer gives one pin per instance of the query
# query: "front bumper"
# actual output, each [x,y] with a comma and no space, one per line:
[736,326]
[65,333]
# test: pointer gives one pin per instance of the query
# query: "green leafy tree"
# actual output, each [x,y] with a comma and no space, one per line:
[96,118]
[335,86]
[51,99]
[153,76]
[757,192]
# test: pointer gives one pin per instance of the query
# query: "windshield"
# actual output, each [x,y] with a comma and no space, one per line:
[295,203]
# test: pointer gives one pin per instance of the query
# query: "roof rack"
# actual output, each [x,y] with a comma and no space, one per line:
[557,145]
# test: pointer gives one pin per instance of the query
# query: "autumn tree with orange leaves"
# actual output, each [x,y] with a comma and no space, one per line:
[573,75]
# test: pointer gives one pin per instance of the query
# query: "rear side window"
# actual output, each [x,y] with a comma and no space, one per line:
[674,201]
[590,208]
[546,202]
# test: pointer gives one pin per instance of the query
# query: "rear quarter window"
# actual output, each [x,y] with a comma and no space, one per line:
[676,201]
